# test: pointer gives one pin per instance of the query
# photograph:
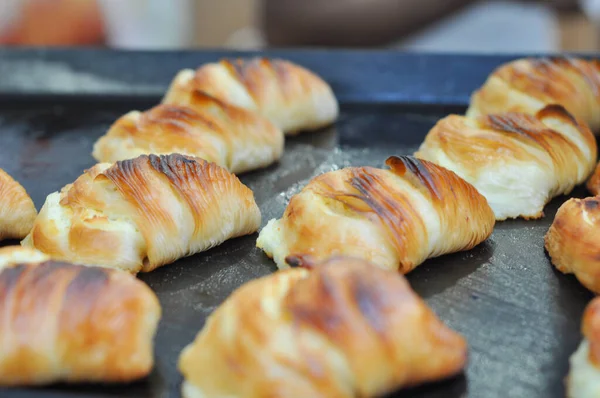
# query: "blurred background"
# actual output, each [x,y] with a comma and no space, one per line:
[433,25]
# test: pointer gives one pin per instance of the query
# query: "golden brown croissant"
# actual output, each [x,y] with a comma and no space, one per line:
[344,329]
[292,97]
[583,380]
[71,323]
[573,240]
[232,137]
[17,211]
[394,218]
[142,213]
[529,84]
[519,162]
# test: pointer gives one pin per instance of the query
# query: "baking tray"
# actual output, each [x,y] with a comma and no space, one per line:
[520,316]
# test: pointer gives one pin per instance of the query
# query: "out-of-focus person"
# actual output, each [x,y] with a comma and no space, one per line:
[459,25]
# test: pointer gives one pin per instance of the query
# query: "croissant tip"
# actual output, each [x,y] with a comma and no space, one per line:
[558,111]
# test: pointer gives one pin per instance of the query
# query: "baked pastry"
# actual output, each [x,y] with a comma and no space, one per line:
[344,329]
[71,323]
[292,97]
[234,138]
[17,210]
[572,241]
[593,184]
[583,380]
[519,162]
[141,213]
[529,84]
[395,218]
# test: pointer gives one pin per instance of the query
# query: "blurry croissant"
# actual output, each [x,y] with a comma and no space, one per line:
[519,162]
[232,137]
[142,213]
[344,329]
[17,211]
[71,323]
[573,240]
[292,97]
[583,380]
[529,84]
[593,184]
[394,218]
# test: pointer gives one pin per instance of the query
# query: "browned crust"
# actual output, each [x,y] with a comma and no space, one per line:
[383,332]
[474,144]
[142,192]
[572,241]
[178,119]
[374,194]
[256,72]
[571,82]
[546,79]
[194,123]
[373,198]
[593,184]
[81,310]
[590,327]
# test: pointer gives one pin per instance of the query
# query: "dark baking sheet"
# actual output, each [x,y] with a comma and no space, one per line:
[520,316]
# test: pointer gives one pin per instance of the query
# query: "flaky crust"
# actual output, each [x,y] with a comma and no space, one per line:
[234,138]
[528,84]
[17,211]
[292,97]
[395,218]
[142,213]
[343,329]
[519,162]
[573,240]
[70,323]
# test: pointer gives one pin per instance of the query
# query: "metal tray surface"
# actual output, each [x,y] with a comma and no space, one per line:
[520,316]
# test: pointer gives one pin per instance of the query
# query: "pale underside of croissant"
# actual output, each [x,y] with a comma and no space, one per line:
[142,213]
[71,323]
[573,241]
[343,329]
[17,211]
[519,162]
[529,84]
[292,97]
[395,218]
[583,380]
[232,137]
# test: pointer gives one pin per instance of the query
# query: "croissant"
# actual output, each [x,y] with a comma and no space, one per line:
[17,211]
[529,84]
[593,184]
[394,218]
[232,137]
[292,97]
[71,323]
[573,240]
[343,329]
[139,214]
[519,162]
[583,380]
